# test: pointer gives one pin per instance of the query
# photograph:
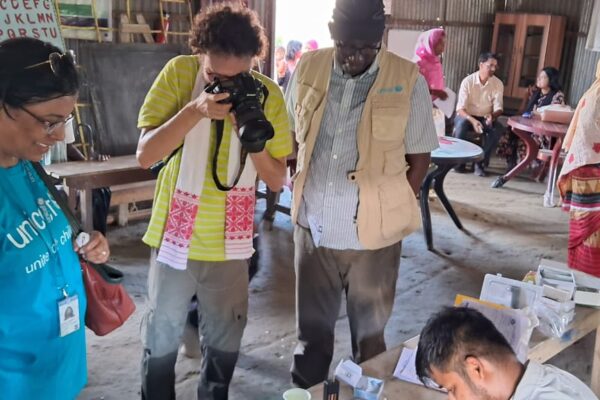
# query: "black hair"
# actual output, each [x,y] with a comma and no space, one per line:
[293,48]
[21,85]
[553,78]
[228,28]
[537,99]
[487,55]
[455,333]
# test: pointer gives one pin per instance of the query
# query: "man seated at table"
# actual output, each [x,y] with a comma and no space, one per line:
[463,352]
[478,107]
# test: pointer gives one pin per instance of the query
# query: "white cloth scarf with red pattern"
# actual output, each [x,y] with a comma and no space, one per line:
[183,208]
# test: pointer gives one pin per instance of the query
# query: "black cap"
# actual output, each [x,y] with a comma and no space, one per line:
[358,20]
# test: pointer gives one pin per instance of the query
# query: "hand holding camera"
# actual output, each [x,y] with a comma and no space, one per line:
[246,96]
[212,106]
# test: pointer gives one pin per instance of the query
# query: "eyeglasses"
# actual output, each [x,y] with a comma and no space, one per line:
[57,62]
[430,383]
[347,48]
[49,126]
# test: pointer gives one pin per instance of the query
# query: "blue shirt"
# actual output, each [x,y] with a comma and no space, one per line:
[36,259]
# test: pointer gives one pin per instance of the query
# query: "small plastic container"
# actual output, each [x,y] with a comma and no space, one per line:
[369,389]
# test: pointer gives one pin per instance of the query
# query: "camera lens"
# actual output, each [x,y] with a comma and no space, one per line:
[255,133]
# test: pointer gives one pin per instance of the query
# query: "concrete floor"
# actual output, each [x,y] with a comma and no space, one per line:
[508,231]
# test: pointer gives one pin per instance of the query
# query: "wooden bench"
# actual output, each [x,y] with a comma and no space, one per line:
[84,176]
[124,195]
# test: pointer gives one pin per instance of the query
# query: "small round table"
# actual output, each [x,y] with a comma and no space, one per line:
[523,128]
[452,152]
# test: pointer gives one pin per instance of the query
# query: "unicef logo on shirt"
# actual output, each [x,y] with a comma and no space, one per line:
[395,89]
[36,222]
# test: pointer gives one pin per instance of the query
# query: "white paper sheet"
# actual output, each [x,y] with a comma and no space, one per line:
[513,324]
[447,106]
[405,369]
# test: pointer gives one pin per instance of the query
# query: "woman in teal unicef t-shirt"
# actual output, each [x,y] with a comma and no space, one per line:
[42,298]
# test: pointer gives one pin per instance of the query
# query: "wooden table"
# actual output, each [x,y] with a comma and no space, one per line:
[452,152]
[541,350]
[523,128]
[382,367]
[83,176]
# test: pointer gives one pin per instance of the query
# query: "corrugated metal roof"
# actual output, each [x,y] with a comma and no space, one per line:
[462,50]
[469,25]
[478,11]
[468,28]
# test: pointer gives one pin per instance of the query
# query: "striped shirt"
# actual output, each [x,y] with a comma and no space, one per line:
[330,202]
[171,91]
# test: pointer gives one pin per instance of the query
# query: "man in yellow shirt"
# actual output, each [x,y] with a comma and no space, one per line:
[209,108]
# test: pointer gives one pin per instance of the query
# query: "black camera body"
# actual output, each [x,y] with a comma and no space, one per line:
[246,94]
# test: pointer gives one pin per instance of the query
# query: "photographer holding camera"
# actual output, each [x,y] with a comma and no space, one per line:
[217,125]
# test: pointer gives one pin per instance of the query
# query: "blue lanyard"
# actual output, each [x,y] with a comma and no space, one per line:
[48,215]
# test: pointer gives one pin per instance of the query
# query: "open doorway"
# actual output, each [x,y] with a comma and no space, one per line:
[299,26]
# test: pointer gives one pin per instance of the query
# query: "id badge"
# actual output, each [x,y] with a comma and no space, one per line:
[68,315]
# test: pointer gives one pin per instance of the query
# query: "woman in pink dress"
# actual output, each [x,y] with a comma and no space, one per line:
[430,46]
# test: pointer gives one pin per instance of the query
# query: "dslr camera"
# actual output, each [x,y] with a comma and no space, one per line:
[245,95]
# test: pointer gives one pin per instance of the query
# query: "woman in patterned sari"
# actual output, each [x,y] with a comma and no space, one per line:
[579,182]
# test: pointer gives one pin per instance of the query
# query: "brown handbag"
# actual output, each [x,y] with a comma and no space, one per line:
[108,304]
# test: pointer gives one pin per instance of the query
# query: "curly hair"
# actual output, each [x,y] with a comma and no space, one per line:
[228,28]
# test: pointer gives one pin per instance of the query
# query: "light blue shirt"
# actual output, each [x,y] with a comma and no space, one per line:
[330,201]
[36,258]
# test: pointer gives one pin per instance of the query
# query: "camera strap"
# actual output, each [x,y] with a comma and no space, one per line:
[243,155]
[219,124]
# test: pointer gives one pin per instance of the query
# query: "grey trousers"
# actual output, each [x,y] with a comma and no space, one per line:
[222,292]
[464,130]
[368,277]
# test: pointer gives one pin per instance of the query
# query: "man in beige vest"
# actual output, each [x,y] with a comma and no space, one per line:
[363,122]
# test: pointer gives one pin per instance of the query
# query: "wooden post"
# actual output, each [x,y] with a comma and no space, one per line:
[595,380]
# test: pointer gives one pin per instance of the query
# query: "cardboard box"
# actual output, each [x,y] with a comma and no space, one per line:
[559,283]
[509,292]
[369,389]
[365,387]
[560,114]
[587,287]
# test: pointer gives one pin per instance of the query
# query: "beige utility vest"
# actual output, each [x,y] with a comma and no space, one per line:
[387,206]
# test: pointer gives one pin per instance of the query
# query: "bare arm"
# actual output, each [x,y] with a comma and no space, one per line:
[270,170]
[496,114]
[158,142]
[439,93]
[464,114]
[418,164]
[73,153]
[477,126]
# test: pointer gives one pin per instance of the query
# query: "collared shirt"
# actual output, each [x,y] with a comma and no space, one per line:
[478,99]
[330,202]
[546,382]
